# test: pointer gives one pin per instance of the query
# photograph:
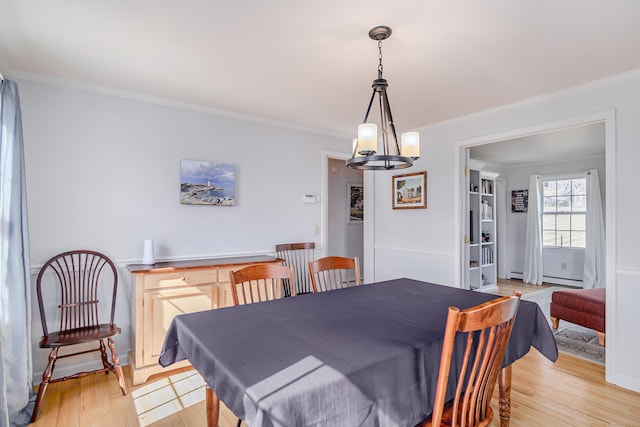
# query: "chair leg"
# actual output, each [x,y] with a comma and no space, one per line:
[46,377]
[239,422]
[116,366]
[103,355]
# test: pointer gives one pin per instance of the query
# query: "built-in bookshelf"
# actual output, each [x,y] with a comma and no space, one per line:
[481,240]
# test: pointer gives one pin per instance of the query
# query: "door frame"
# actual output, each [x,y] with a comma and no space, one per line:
[369,217]
[609,119]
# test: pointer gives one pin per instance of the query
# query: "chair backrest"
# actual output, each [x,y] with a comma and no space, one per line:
[260,282]
[298,255]
[73,282]
[334,272]
[486,329]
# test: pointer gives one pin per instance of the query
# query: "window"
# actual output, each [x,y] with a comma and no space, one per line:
[564,215]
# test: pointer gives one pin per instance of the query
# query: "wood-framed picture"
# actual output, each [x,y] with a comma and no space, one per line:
[409,191]
[355,193]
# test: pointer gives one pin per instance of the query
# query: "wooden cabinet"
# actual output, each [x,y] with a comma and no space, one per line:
[164,290]
[481,271]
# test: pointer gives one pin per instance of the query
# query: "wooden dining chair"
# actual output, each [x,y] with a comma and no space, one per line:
[486,329]
[298,255]
[261,282]
[334,272]
[70,287]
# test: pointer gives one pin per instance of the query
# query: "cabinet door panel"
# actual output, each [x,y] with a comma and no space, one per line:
[160,307]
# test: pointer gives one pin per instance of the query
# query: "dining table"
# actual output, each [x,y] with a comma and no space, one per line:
[365,355]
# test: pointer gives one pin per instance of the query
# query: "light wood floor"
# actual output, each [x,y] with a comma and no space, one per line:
[507,286]
[570,392]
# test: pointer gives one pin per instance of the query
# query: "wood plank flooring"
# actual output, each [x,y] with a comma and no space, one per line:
[507,286]
[570,392]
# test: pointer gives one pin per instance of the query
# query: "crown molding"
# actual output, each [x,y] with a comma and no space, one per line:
[135,96]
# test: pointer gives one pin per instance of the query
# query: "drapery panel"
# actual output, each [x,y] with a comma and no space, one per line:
[594,263]
[15,297]
[533,265]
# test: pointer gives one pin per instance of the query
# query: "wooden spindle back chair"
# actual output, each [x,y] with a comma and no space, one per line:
[298,255]
[261,282]
[71,285]
[334,272]
[486,329]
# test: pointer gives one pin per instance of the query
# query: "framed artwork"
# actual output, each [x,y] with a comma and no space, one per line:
[519,200]
[206,183]
[355,194]
[409,191]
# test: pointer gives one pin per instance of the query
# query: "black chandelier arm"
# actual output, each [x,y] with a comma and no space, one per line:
[366,116]
[387,108]
[383,122]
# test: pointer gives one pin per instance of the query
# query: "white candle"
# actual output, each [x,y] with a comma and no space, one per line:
[411,144]
[148,256]
[367,138]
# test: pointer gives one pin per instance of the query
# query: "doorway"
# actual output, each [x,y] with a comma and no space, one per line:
[561,154]
[345,223]
[607,120]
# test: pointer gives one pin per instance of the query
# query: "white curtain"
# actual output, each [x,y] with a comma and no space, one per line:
[533,266]
[594,276]
[15,301]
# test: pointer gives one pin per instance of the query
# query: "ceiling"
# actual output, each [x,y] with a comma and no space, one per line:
[555,146]
[311,64]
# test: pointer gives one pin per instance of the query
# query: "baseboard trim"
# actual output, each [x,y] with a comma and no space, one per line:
[553,280]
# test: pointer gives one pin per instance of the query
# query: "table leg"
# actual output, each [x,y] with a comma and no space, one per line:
[504,386]
[213,408]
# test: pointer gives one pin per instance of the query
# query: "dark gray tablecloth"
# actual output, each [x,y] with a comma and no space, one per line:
[363,356]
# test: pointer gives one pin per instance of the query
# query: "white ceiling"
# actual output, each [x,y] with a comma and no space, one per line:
[555,146]
[311,64]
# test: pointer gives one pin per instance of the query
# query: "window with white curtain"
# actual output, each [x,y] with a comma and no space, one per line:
[564,212]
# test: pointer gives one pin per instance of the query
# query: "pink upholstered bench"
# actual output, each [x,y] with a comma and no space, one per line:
[584,307]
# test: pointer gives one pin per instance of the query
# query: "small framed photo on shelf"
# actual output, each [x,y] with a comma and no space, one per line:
[409,191]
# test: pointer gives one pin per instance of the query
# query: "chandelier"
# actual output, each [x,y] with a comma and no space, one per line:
[365,148]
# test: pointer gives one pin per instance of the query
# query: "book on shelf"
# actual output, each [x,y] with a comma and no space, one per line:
[487,256]
[487,186]
[486,210]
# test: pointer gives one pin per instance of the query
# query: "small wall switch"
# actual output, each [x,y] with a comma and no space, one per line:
[309,198]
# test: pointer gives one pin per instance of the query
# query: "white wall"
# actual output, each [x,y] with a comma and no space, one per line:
[426,244]
[103,173]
